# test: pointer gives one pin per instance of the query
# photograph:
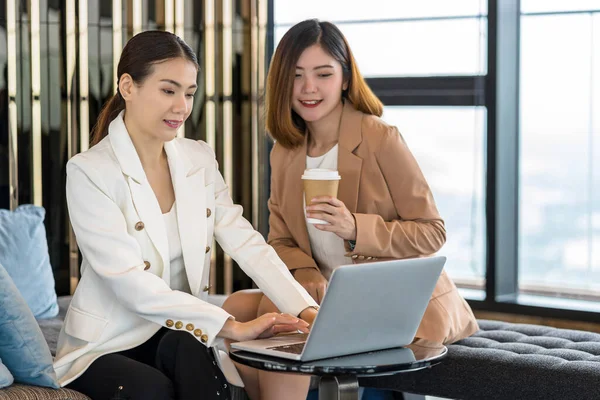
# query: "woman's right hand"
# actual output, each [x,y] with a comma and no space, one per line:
[313,281]
[264,326]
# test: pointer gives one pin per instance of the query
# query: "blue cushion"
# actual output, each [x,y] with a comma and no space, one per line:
[24,254]
[23,348]
[6,378]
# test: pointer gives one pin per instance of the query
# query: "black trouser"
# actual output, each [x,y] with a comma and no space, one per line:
[170,365]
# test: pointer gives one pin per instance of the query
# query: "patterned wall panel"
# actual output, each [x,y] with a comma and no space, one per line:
[58,60]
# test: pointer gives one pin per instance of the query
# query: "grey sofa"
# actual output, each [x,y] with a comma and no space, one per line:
[51,328]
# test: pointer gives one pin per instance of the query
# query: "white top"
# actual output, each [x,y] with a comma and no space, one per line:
[327,247]
[179,279]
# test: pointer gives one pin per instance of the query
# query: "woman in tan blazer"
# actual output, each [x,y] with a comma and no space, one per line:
[322,114]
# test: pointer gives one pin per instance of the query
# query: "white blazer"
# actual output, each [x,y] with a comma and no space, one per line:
[123,297]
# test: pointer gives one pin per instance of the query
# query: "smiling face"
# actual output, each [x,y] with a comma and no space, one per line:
[318,84]
[159,105]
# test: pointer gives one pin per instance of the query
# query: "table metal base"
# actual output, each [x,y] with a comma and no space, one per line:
[344,387]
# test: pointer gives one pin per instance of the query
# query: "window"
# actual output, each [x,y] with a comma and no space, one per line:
[551,6]
[420,48]
[289,13]
[559,213]
[448,143]
[428,38]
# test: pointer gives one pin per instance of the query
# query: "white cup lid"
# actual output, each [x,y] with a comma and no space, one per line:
[321,174]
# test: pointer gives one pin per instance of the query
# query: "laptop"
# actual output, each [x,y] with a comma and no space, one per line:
[367,307]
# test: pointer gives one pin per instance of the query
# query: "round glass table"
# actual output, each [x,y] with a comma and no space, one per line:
[339,375]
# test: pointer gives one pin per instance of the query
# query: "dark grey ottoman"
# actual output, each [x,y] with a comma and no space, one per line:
[510,361]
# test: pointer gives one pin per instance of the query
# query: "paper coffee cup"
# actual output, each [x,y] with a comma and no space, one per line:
[319,182]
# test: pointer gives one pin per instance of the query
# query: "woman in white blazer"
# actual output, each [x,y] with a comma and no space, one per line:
[145,206]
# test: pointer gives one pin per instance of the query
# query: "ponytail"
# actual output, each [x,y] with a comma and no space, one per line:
[109,112]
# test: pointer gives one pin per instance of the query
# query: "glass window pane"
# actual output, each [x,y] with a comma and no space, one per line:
[595,106]
[417,48]
[559,233]
[448,143]
[289,12]
[537,6]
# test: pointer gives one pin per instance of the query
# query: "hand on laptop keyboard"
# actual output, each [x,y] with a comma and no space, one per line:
[264,326]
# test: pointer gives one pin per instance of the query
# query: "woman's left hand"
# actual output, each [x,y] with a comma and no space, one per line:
[334,211]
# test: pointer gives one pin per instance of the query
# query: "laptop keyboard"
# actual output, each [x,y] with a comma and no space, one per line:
[295,348]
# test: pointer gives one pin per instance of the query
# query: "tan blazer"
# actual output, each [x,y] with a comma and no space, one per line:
[396,216]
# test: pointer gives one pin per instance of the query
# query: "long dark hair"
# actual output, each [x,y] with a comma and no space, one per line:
[283,124]
[139,55]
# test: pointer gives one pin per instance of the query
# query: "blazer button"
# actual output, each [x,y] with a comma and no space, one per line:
[207,249]
[178,324]
[139,226]
[208,212]
[169,323]
[206,288]
[189,327]
[147,265]
[198,332]
[204,338]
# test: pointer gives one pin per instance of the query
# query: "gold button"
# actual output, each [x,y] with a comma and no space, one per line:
[207,249]
[207,288]
[198,332]
[169,323]
[189,327]
[139,226]
[178,324]
[208,212]
[147,265]
[354,256]
[204,338]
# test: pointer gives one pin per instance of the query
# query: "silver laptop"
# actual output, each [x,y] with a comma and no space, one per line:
[367,307]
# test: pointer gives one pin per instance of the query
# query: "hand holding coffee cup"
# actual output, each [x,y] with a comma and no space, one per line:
[331,214]
[338,219]
[317,183]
